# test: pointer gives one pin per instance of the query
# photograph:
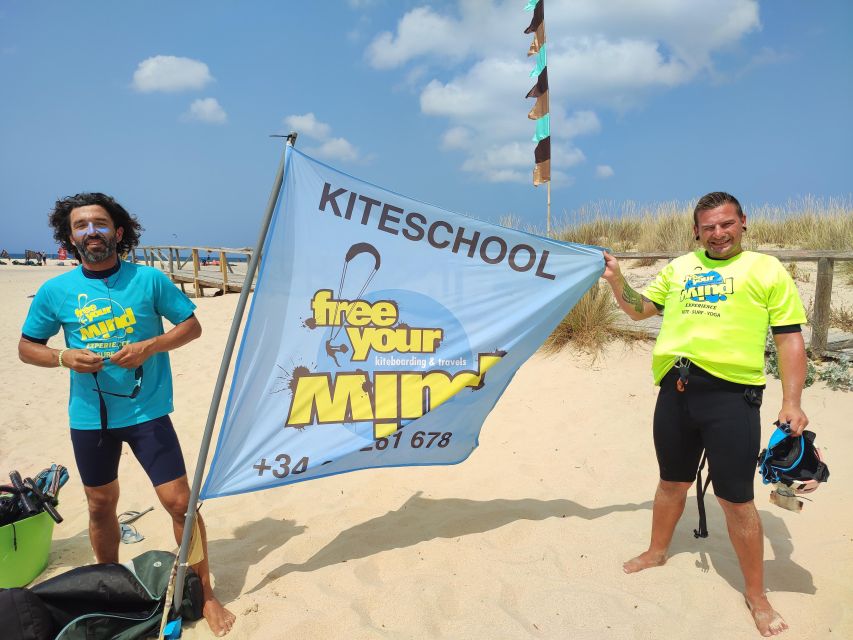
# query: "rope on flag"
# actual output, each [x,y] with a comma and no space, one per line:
[541,110]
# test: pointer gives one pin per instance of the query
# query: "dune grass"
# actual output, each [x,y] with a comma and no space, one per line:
[591,324]
[842,318]
[845,272]
[806,223]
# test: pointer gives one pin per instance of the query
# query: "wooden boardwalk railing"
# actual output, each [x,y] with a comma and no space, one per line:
[173,260]
[819,345]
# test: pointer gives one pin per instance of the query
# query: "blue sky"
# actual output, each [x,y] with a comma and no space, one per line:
[168,106]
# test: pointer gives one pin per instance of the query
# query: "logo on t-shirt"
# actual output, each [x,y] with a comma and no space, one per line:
[709,286]
[104,323]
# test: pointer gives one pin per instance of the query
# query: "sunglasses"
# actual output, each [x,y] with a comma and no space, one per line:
[137,374]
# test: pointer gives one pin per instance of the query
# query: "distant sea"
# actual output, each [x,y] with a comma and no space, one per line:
[202,256]
[20,256]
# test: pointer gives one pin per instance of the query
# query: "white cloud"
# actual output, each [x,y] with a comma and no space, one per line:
[763,58]
[337,149]
[690,29]
[607,55]
[419,32]
[207,110]
[456,138]
[329,148]
[566,155]
[603,171]
[170,73]
[308,125]
[513,162]
[580,123]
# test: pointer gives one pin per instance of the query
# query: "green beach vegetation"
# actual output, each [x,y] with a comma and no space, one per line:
[806,223]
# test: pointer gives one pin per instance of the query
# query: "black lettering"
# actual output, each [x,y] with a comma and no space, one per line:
[540,269]
[387,217]
[522,247]
[411,224]
[501,253]
[431,233]
[329,198]
[350,204]
[461,239]
[368,204]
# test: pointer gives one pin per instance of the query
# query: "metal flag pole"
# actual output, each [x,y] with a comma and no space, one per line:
[548,223]
[220,380]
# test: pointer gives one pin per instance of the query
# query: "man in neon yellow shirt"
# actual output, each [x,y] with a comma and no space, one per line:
[717,304]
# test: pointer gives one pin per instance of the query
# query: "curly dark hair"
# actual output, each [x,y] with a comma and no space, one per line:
[59,220]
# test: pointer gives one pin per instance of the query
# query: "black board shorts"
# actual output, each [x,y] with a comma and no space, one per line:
[712,414]
[154,443]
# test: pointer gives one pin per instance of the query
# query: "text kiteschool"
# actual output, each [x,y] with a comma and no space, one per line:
[439,234]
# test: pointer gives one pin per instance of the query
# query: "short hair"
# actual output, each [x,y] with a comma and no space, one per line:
[59,220]
[712,201]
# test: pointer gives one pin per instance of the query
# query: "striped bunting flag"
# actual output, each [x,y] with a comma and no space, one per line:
[541,110]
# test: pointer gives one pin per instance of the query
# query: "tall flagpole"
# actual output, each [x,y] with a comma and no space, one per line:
[549,209]
[220,380]
[541,110]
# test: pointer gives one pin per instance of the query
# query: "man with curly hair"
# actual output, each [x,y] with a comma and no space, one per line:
[111,313]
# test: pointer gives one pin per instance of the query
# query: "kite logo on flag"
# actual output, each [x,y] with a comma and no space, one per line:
[383,397]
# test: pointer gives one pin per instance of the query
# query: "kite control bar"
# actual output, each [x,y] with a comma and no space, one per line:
[46,502]
[26,505]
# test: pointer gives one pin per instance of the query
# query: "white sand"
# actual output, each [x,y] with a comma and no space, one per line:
[525,539]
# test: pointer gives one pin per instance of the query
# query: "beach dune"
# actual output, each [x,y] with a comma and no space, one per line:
[524,539]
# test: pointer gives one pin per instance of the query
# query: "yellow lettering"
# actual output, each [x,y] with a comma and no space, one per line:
[386,388]
[432,338]
[126,319]
[385,340]
[384,313]
[395,396]
[359,314]
[329,312]
[360,340]
[317,398]
[90,332]
[323,307]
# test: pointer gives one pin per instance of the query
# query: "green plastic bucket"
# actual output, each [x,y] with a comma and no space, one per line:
[24,550]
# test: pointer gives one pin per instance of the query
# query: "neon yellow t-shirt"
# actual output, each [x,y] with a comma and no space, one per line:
[716,313]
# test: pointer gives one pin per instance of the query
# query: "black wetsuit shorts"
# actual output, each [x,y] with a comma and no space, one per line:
[712,414]
[154,443]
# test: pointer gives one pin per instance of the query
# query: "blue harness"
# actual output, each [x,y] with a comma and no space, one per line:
[789,459]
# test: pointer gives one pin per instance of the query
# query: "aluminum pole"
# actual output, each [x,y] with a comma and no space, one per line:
[220,380]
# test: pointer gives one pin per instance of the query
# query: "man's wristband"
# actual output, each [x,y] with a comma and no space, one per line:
[61,364]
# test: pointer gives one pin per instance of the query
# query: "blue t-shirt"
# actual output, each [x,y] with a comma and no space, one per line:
[103,315]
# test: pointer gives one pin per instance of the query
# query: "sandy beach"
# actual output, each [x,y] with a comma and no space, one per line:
[525,539]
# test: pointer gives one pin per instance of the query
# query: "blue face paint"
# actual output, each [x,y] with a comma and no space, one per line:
[91,229]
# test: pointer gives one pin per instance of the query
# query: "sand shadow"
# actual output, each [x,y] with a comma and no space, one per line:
[422,519]
[251,543]
[72,552]
[781,573]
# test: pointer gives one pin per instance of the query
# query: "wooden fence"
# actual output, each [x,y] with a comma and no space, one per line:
[826,260]
[174,260]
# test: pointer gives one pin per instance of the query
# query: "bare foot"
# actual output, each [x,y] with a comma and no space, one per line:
[645,560]
[769,622]
[219,619]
